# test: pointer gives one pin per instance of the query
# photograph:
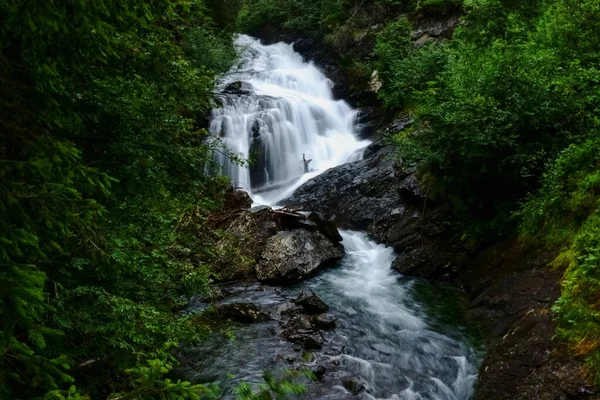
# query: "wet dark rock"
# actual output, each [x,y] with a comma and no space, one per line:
[301,223]
[293,255]
[281,246]
[308,341]
[255,129]
[303,324]
[383,197]
[290,359]
[323,322]
[236,200]
[303,321]
[326,227]
[312,342]
[242,312]
[236,88]
[311,303]
[354,385]
[369,120]
[320,372]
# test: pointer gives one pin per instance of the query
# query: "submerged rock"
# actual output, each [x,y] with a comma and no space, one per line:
[293,255]
[237,88]
[308,340]
[323,322]
[319,372]
[242,312]
[312,304]
[354,385]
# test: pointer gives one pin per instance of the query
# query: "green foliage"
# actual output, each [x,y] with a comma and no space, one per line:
[406,70]
[438,6]
[279,388]
[104,193]
[506,121]
[566,212]
[498,112]
[310,17]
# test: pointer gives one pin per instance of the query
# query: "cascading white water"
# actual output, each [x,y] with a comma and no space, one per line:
[387,339]
[284,111]
[393,348]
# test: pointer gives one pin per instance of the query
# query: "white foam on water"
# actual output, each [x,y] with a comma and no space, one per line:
[290,112]
[398,328]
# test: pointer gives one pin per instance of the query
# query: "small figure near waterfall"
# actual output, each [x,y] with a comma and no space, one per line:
[306,162]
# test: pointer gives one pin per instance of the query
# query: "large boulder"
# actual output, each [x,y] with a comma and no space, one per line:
[311,303]
[236,199]
[277,245]
[293,255]
[252,228]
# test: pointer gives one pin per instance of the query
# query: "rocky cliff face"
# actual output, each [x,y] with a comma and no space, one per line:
[383,198]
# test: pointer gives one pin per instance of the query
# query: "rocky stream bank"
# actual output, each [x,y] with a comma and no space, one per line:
[510,288]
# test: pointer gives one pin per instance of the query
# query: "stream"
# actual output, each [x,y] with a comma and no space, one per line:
[395,337]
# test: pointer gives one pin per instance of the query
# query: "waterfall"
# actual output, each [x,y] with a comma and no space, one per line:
[277,111]
[386,337]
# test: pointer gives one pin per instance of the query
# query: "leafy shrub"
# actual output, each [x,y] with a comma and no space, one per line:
[405,68]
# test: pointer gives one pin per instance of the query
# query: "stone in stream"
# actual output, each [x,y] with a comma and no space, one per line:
[319,372]
[311,303]
[242,312]
[353,385]
[308,341]
[323,323]
[236,88]
[294,255]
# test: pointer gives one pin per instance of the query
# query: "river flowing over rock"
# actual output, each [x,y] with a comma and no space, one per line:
[382,197]
[280,111]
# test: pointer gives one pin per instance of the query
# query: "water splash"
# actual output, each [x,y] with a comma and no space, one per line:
[284,111]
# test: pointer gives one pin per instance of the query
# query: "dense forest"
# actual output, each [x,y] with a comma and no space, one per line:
[107,176]
[104,192]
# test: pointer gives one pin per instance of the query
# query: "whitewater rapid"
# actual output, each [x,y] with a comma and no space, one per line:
[393,346]
[283,113]
[388,339]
